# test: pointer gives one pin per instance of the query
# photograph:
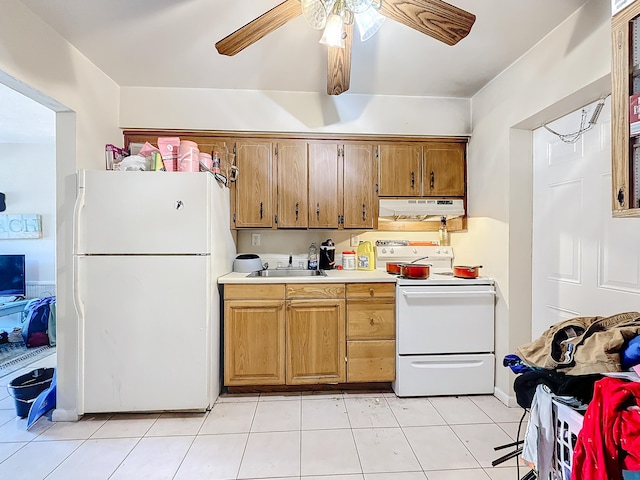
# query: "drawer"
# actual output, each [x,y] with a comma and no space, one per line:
[424,375]
[258,291]
[371,319]
[315,290]
[371,290]
[371,361]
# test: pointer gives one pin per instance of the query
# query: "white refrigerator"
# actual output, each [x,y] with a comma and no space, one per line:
[149,248]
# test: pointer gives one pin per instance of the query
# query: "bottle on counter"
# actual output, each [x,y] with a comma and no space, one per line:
[443,233]
[349,260]
[313,257]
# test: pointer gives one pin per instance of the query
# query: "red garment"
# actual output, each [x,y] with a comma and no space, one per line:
[610,437]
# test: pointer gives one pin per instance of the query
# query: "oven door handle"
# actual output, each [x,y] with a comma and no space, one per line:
[447,294]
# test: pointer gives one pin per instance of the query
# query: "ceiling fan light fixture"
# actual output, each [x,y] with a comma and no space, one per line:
[333,34]
[315,12]
[369,22]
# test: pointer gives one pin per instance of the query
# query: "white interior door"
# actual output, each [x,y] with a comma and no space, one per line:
[145,329]
[584,261]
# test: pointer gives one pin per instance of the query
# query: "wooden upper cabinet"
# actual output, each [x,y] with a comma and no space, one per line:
[224,147]
[625,96]
[291,185]
[360,201]
[254,186]
[400,172]
[443,171]
[323,185]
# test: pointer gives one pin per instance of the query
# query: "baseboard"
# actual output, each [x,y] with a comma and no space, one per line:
[508,400]
[62,415]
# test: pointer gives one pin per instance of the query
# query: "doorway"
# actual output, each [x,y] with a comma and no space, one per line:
[28,181]
[585,263]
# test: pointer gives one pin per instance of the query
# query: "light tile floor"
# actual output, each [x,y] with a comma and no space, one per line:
[311,436]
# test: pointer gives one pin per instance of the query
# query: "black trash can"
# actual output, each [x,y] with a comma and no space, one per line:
[26,388]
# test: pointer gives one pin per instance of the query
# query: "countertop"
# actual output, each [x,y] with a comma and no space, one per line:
[333,276]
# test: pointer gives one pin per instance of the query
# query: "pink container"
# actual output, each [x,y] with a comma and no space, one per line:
[206,160]
[168,147]
[188,156]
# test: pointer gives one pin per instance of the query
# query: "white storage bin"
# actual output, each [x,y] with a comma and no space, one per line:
[567,423]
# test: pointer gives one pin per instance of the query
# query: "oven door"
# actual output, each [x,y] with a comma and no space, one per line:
[444,319]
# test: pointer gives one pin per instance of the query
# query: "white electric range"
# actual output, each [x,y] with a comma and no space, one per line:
[444,325]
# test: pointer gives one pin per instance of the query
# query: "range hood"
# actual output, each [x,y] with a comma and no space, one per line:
[420,209]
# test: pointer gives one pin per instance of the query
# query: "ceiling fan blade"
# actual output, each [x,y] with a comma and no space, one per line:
[258,28]
[339,65]
[435,18]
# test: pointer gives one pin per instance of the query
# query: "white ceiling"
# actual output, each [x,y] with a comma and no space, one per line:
[170,43]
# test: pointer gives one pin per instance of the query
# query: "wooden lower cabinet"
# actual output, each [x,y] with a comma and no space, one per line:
[371,360]
[315,341]
[254,335]
[371,332]
[304,334]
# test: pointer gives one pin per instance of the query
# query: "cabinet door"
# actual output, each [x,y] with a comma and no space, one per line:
[323,185]
[360,201]
[254,342]
[315,341]
[371,361]
[400,173]
[291,164]
[444,169]
[253,188]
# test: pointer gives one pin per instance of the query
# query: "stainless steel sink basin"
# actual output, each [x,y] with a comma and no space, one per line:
[288,273]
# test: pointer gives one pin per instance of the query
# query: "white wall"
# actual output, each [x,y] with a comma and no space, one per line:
[241,110]
[566,70]
[27,178]
[38,62]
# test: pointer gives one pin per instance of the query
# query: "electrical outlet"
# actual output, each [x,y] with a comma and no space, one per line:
[354,240]
[255,239]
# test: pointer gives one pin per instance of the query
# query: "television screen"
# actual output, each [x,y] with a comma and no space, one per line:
[12,275]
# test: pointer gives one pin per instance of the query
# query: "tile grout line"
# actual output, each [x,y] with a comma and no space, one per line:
[192,442]
[244,450]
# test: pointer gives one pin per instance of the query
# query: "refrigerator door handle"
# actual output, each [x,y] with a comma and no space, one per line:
[77,209]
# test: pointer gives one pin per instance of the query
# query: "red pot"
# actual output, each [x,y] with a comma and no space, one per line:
[394,268]
[415,271]
[467,272]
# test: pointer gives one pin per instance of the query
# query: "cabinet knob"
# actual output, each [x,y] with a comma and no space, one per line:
[371,292]
[371,321]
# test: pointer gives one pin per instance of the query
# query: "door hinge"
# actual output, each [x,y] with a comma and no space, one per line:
[275,219]
[377,151]
[275,151]
[341,151]
[377,188]
[234,218]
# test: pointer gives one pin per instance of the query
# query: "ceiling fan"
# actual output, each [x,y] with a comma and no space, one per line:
[438,19]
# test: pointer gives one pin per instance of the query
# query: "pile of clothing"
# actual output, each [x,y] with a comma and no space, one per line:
[568,360]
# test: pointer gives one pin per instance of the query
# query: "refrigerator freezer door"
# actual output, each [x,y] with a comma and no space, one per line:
[143,212]
[145,322]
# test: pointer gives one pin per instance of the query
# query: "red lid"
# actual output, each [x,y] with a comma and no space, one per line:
[349,252]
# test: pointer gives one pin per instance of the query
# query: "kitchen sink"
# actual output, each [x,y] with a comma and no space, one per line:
[288,273]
